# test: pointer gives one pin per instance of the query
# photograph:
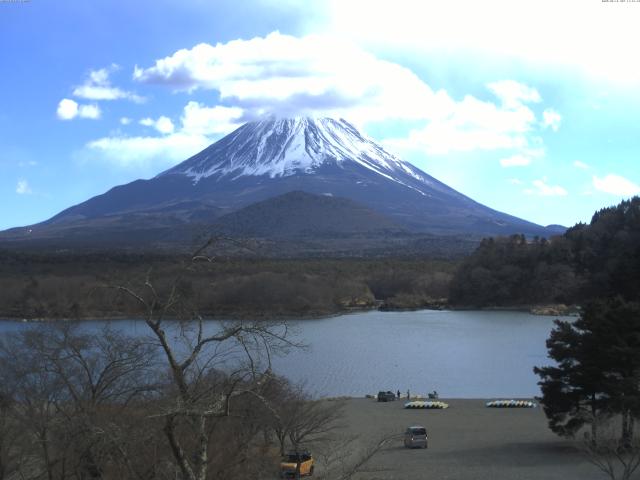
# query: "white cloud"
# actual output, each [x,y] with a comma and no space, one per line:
[69,109]
[616,185]
[23,188]
[97,86]
[513,94]
[322,75]
[445,137]
[285,75]
[499,32]
[200,126]
[551,119]
[201,120]
[515,181]
[125,120]
[89,111]
[472,124]
[543,189]
[581,165]
[515,161]
[141,151]
[162,124]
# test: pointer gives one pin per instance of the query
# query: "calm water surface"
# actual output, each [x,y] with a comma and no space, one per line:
[460,354]
[465,354]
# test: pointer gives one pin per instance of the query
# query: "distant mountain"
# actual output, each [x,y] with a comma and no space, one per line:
[270,158]
[554,230]
[301,214]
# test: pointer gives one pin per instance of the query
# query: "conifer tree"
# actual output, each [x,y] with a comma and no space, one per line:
[597,371]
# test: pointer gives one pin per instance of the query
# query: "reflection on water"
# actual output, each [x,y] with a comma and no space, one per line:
[466,354]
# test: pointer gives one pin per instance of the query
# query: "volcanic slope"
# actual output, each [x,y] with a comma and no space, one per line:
[272,157]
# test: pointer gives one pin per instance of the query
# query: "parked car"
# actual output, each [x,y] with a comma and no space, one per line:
[386,396]
[290,463]
[415,437]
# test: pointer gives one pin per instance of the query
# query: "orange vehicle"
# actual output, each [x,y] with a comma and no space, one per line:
[290,462]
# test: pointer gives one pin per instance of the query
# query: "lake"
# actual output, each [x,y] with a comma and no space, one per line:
[461,354]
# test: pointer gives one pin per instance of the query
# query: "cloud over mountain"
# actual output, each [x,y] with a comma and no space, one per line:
[285,75]
[321,75]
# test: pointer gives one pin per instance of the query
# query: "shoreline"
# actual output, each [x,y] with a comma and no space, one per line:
[117,318]
[539,310]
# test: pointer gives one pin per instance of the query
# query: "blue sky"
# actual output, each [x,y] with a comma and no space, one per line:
[528,107]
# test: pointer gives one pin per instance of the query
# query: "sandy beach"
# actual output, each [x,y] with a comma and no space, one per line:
[466,441]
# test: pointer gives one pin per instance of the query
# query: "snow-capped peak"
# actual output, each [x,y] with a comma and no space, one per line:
[283,147]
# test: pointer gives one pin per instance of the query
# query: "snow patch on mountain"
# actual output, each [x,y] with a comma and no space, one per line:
[284,147]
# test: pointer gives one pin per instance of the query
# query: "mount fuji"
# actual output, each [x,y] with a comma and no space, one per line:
[255,169]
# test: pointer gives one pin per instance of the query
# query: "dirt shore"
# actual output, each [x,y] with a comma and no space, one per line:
[466,441]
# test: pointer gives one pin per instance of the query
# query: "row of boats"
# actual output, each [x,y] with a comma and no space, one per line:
[428,404]
[511,404]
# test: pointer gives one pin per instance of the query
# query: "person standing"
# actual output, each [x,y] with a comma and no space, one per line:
[408,394]
[398,394]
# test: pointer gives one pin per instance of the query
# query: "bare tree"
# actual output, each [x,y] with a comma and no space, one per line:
[9,434]
[297,419]
[70,392]
[193,353]
[345,458]
[192,400]
[35,396]
[616,456]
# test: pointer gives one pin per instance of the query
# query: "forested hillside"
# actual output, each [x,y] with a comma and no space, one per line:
[71,285]
[598,259]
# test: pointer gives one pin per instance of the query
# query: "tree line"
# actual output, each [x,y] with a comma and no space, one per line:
[598,259]
[187,400]
[63,285]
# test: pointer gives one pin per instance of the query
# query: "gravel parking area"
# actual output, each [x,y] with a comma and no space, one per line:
[466,441]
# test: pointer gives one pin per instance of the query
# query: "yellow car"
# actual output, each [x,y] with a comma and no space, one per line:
[290,463]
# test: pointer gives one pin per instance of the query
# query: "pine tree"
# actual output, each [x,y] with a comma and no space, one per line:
[597,370]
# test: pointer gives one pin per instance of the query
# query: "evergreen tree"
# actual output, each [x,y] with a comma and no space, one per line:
[597,370]
[615,325]
[572,393]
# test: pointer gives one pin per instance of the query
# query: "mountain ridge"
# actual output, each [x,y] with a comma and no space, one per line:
[299,213]
[269,158]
